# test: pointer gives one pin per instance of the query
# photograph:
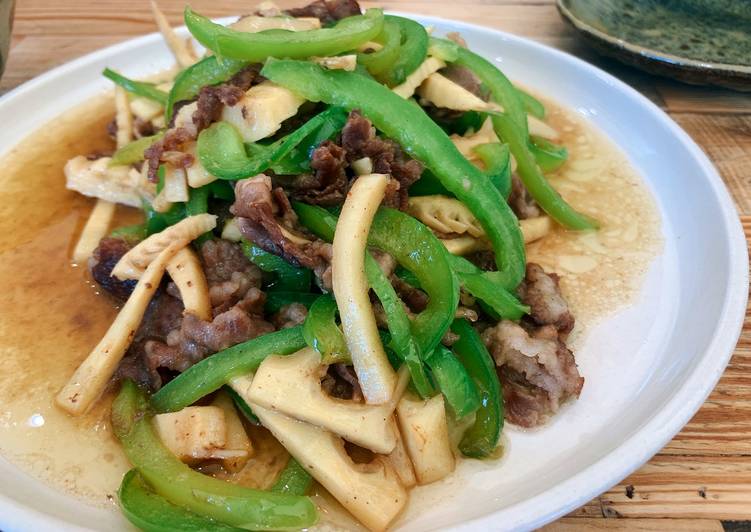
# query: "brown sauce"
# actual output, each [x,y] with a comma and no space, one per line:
[52,315]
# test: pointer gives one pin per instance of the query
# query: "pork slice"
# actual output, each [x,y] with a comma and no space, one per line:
[542,364]
[106,255]
[327,11]
[521,202]
[542,292]
[290,316]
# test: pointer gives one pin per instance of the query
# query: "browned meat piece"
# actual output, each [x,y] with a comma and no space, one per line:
[327,11]
[414,298]
[340,381]
[328,184]
[211,100]
[465,78]
[247,77]
[143,128]
[539,363]
[257,207]
[521,202]
[290,316]
[221,259]
[105,256]
[542,293]
[359,140]
[173,140]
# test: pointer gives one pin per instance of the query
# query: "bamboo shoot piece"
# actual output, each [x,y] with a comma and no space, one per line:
[425,432]
[187,273]
[237,440]
[377,377]
[91,377]
[134,262]
[181,48]
[291,385]
[95,229]
[194,433]
[430,66]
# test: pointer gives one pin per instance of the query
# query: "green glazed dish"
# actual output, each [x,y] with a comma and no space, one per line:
[706,42]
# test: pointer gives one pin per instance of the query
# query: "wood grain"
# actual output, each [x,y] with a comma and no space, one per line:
[704,474]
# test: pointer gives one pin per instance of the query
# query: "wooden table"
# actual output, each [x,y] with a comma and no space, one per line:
[700,479]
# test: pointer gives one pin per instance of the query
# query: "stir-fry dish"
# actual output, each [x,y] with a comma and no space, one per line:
[336,205]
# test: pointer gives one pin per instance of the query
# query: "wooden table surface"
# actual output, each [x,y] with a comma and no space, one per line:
[702,478]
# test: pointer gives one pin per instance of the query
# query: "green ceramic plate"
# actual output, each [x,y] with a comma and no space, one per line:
[696,41]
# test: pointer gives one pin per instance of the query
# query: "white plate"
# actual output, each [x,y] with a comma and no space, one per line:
[645,377]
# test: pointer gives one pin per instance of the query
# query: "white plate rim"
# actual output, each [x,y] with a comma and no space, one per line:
[652,436]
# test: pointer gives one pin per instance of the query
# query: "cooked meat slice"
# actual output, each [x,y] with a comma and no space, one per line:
[327,11]
[173,140]
[105,256]
[521,202]
[542,359]
[211,100]
[415,299]
[340,381]
[328,184]
[247,77]
[227,329]
[464,77]
[222,258]
[541,291]
[290,316]
[257,208]
[359,140]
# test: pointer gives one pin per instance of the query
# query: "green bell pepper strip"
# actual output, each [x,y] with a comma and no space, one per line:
[511,126]
[347,34]
[131,233]
[418,250]
[159,221]
[207,71]
[379,63]
[323,334]
[548,155]
[293,480]
[454,382]
[276,300]
[412,52]
[139,88]
[403,342]
[223,154]
[531,104]
[489,287]
[169,477]
[151,512]
[497,160]
[213,372]
[241,405]
[198,200]
[133,151]
[481,439]
[422,139]
[289,278]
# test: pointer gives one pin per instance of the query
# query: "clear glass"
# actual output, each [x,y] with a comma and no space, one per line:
[6,25]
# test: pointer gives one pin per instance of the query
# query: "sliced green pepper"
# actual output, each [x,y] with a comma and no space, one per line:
[208,71]
[323,334]
[511,126]
[131,233]
[133,151]
[497,160]
[228,503]
[212,372]
[139,88]
[380,62]
[293,480]
[403,342]
[347,34]
[241,405]
[490,288]
[548,155]
[289,278]
[481,439]
[224,155]
[153,513]
[416,249]
[531,104]
[412,52]
[421,138]
[454,382]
